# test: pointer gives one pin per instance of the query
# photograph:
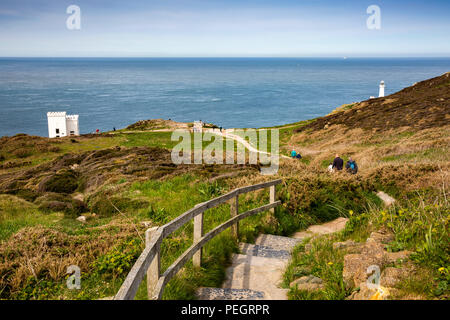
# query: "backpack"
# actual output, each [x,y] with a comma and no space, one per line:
[352,166]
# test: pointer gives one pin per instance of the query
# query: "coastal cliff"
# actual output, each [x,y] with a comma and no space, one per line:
[123,182]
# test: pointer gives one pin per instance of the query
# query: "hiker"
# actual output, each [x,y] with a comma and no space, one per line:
[330,168]
[114,128]
[338,163]
[351,166]
[293,154]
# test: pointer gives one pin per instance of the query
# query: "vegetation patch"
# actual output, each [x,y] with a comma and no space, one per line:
[65,181]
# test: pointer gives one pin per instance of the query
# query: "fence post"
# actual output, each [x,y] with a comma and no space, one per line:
[234,210]
[198,233]
[154,268]
[272,197]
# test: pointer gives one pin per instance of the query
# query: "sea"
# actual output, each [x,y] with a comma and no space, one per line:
[110,93]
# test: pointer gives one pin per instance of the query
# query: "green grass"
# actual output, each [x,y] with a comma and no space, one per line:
[417,227]
[167,199]
[321,261]
[16,213]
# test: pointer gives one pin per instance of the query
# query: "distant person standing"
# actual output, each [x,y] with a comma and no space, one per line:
[338,163]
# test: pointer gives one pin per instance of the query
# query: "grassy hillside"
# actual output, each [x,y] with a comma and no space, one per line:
[401,144]
[124,181]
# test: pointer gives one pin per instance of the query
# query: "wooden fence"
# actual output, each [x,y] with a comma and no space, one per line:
[149,260]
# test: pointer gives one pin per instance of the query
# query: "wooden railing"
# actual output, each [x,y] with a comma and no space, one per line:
[149,260]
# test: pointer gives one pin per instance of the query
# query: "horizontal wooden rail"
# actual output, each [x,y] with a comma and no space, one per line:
[179,263]
[154,237]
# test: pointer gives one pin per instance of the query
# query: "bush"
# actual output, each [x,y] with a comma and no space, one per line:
[119,260]
[25,194]
[105,206]
[22,153]
[61,203]
[158,215]
[63,182]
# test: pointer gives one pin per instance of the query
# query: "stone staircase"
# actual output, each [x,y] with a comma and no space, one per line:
[256,272]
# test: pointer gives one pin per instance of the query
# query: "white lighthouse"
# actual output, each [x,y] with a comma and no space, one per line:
[381,89]
[61,124]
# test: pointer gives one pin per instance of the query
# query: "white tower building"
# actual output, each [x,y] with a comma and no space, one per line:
[198,126]
[61,125]
[381,89]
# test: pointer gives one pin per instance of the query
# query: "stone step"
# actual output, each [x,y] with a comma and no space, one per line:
[229,294]
[258,274]
[263,251]
[277,242]
[322,229]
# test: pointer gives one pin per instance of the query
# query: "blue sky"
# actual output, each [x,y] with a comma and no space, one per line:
[226,28]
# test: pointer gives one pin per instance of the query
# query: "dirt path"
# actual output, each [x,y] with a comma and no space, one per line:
[242,141]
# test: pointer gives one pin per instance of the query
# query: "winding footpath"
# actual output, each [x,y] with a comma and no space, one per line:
[229,135]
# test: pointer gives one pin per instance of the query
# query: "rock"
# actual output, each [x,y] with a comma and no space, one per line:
[372,253]
[387,199]
[326,228]
[373,249]
[79,196]
[349,245]
[381,236]
[366,293]
[329,227]
[392,257]
[355,268]
[310,283]
[391,276]
[82,219]
[147,224]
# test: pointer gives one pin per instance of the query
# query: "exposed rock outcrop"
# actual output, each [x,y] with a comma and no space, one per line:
[310,283]
[356,267]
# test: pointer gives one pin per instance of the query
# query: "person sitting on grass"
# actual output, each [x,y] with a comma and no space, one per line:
[351,166]
[330,168]
[293,153]
[338,163]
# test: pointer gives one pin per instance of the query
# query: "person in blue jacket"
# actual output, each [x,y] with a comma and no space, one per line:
[351,166]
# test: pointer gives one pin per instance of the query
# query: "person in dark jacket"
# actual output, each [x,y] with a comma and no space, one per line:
[351,166]
[338,163]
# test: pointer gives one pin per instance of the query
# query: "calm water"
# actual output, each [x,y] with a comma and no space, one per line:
[109,93]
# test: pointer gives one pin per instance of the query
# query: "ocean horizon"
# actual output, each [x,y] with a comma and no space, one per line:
[112,93]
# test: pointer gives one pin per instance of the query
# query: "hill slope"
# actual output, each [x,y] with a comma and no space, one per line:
[423,105]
